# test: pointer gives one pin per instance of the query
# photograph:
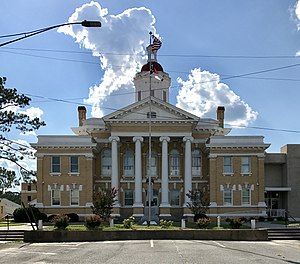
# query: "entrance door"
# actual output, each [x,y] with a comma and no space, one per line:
[154,205]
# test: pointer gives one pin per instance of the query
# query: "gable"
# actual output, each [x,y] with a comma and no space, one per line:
[139,112]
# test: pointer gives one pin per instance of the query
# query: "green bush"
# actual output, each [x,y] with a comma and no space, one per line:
[165,223]
[128,223]
[34,213]
[235,223]
[203,222]
[61,222]
[93,222]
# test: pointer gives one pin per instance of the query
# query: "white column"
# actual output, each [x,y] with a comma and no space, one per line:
[164,172]
[187,167]
[115,166]
[138,172]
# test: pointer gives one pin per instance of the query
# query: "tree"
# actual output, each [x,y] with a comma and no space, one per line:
[12,120]
[12,196]
[199,203]
[103,202]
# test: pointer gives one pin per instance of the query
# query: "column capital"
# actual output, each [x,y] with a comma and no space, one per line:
[185,139]
[135,139]
[114,138]
[164,138]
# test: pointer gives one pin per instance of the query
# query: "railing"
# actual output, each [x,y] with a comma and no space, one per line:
[276,212]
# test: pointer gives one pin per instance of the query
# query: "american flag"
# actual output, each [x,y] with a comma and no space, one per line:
[156,44]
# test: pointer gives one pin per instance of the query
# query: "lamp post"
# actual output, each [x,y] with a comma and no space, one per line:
[28,34]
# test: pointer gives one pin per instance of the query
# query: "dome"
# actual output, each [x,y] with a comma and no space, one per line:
[156,66]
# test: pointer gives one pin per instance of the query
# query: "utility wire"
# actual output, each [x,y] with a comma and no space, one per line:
[164,55]
[171,118]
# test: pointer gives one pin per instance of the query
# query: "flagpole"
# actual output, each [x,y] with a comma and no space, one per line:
[150,138]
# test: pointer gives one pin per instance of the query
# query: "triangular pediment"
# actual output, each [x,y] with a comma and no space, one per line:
[162,112]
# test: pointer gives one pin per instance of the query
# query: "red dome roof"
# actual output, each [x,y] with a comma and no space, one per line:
[156,66]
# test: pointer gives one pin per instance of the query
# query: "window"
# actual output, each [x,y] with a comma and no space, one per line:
[227,196]
[55,164]
[74,164]
[245,165]
[55,197]
[29,187]
[196,162]
[153,163]
[174,197]
[74,197]
[164,96]
[227,166]
[128,197]
[28,198]
[139,95]
[106,162]
[152,92]
[128,163]
[2,209]
[152,114]
[174,162]
[245,196]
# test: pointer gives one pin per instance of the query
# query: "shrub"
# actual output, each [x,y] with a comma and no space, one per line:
[34,213]
[199,216]
[128,223]
[280,218]
[270,218]
[203,222]
[73,217]
[165,223]
[93,222]
[261,219]
[51,217]
[235,223]
[61,222]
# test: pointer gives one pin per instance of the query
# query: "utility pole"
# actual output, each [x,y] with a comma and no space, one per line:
[150,139]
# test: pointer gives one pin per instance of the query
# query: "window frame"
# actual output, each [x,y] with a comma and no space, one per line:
[70,162]
[230,172]
[244,164]
[128,172]
[59,197]
[174,163]
[195,172]
[55,164]
[126,198]
[228,190]
[249,196]
[177,199]
[109,170]
[71,191]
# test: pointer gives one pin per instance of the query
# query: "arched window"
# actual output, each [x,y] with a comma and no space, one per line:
[106,162]
[174,162]
[128,163]
[196,162]
[153,166]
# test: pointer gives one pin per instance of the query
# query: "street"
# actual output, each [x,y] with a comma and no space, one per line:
[161,251]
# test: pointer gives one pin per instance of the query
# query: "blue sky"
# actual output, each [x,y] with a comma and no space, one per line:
[247,28]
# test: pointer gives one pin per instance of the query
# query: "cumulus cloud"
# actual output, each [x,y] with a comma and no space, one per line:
[297,12]
[126,34]
[203,92]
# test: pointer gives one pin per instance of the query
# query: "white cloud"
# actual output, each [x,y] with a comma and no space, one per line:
[297,12]
[33,112]
[125,33]
[203,92]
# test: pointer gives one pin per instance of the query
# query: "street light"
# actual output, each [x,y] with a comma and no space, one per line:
[84,23]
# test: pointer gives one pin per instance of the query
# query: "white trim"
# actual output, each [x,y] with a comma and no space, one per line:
[250,196]
[51,171]
[215,155]
[86,154]
[70,191]
[56,205]
[70,165]
[278,189]
[154,134]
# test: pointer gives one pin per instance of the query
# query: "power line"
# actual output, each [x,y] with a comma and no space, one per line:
[171,118]
[165,55]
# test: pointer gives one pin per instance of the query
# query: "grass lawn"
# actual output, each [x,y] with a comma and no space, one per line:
[4,224]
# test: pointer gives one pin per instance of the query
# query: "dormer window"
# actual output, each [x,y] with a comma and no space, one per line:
[151,114]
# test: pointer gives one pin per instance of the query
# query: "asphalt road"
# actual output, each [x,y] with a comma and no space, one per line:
[157,251]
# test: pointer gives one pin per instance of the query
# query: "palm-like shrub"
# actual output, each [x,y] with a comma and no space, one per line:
[128,223]
[203,222]
[61,222]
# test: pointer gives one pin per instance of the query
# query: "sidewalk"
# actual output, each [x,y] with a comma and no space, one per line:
[18,227]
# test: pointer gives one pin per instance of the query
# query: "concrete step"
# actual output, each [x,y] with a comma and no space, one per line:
[284,233]
[11,235]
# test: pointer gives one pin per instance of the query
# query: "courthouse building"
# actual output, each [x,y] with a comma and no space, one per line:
[188,153]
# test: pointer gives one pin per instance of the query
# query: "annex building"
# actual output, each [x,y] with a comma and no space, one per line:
[187,153]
